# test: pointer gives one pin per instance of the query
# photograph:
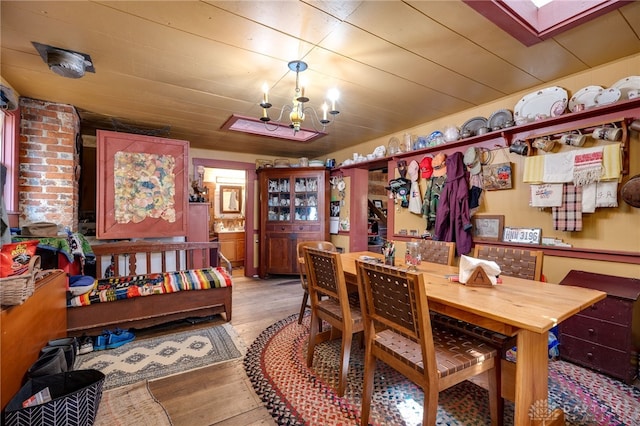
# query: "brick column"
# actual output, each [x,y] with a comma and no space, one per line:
[48,163]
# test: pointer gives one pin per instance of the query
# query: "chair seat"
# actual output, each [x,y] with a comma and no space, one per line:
[454,351]
[493,338]
[332,307]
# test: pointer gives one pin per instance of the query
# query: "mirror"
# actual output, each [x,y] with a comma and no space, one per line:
[230,199]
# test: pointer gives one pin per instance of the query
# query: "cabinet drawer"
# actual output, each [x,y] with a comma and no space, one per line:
[604,333]
[606,360]
[278,227]
[610,309]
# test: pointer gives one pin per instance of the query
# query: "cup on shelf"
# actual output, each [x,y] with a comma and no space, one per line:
[545,144]
[574,138]
[607,133]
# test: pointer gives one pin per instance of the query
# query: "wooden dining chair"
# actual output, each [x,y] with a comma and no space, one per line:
[343,313]
[398,331]
[322,245]
[442,252]
[520,263]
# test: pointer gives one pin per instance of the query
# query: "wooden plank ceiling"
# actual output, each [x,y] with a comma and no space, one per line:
[190,65]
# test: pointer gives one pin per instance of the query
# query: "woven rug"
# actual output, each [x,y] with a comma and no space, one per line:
[297,395]
[163,356]
[131,405]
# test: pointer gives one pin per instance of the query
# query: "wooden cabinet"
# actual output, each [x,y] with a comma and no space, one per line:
[294,207]
[28,327]
[605,336]
[198,228]
[232,246]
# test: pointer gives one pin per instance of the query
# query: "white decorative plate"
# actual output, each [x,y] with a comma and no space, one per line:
[499,117]
[548,101]
[585,96]
[626,84]
[608,96]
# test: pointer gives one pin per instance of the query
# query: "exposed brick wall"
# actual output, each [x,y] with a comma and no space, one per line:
[48,161]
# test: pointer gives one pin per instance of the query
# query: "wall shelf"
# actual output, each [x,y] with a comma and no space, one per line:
[622,111]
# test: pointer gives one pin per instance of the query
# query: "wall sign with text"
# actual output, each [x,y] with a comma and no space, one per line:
[522,235]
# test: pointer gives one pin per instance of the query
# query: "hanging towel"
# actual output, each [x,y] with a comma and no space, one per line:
[587,167]
[607,194]
[546,195]
[568,217]
[558,168]
[612,162]
[589,198]
[533,169]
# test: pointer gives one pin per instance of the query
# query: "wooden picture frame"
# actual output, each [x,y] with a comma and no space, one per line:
[487,227]
[142,188]
[230,199]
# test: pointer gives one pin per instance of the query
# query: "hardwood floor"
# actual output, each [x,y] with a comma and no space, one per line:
[222,394]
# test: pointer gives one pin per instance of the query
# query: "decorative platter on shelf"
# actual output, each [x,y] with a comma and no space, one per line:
[394,146]
[473,124]
[499,118]
[548,102]
[626,84]
[585,96]
[608,96]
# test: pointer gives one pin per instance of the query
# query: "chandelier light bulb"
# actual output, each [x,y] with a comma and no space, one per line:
[333,96]
[265,96]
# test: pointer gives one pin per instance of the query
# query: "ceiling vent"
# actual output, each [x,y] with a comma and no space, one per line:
[65,63]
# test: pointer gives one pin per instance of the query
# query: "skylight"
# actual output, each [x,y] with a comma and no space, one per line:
[540,3]
[533,21]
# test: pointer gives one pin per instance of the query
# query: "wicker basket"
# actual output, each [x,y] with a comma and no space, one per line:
[17,289]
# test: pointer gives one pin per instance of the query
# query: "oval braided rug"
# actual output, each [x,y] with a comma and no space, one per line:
[298,395]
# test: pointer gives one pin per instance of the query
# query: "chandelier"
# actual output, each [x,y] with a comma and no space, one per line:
[297,110]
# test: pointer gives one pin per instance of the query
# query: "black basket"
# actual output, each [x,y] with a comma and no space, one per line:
[75,397]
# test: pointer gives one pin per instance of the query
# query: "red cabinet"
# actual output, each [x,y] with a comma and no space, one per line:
[294,207]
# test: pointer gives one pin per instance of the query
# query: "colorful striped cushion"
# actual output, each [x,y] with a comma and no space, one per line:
[117,288]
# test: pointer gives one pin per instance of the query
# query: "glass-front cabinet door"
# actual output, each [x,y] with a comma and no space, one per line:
[305,198]
[279,199]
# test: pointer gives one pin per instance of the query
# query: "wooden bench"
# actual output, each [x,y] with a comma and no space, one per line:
[143,258]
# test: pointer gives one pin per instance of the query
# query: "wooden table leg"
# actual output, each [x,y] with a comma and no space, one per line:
[532,392]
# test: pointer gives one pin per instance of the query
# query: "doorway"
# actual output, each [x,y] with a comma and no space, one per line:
[225,193]
[231,188]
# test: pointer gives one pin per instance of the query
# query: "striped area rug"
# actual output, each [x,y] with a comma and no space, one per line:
[298,395]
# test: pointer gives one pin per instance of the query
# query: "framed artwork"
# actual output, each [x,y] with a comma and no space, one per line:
[230,199]
[496,176]
[377,203]
[487,227]
[142,186]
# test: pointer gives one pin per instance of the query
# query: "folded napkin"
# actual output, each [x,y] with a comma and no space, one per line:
[469,264]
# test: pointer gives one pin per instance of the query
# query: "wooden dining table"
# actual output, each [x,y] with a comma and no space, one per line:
[515,307]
